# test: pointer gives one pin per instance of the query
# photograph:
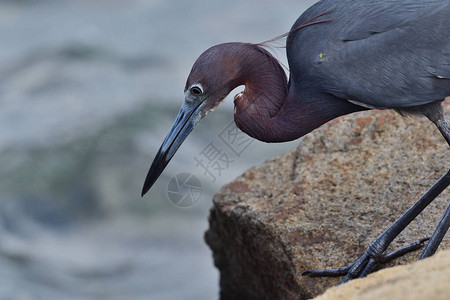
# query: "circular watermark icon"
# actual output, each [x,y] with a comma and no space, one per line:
[184,190]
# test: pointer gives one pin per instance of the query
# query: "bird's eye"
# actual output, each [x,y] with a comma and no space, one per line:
[197,91]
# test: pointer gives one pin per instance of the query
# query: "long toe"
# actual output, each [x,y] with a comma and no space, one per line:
[366,264]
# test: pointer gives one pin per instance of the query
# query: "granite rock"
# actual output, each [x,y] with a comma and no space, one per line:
[322,204]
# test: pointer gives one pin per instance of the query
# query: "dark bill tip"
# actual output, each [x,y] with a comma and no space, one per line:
[187,118]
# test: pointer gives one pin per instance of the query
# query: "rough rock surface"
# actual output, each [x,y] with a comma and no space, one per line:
[321,205]
[426,279]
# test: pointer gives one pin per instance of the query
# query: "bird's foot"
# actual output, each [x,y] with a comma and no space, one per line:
[369,262]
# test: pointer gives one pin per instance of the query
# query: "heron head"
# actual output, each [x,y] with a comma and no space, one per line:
[213,76]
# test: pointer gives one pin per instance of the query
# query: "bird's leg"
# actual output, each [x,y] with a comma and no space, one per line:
[375,255]
[444,128]
[437,236]
[444,224]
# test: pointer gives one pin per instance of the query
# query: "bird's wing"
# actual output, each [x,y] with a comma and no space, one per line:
[387,54]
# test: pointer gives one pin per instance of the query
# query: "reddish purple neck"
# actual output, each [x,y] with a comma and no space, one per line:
[270,111]
[267,110]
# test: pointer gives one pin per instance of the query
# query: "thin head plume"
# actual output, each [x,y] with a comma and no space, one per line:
[309,22]
[267,48]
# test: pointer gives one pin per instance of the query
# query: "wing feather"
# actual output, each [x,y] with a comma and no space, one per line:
[389,54]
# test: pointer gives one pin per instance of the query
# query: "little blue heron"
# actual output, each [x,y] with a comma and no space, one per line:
[344,56]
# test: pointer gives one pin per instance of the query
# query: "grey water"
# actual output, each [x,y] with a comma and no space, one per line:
[88,91]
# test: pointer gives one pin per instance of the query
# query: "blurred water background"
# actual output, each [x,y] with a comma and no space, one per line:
[88,91]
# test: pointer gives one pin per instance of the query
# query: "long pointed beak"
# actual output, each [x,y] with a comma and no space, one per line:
[186,120]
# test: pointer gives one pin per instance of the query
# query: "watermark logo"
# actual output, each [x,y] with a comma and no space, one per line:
[235,139]
[215,160]
[184,190]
